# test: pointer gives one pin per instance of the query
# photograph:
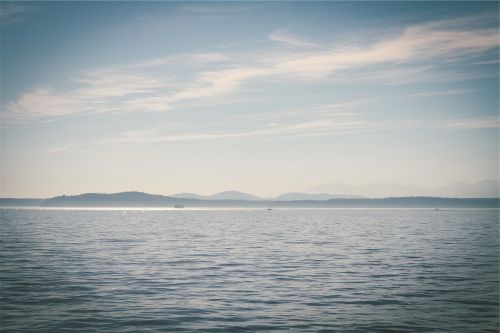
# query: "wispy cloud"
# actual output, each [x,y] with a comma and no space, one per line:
[97,92]
[201,58]
[413,44]
[440,93]
[283,36]
[321,120]
[157,135]
[109,83]
[398,56]
[396,74]
[487,62]
[11,12]
[475,123]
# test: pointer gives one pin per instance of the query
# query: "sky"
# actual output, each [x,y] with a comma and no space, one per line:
[260,97]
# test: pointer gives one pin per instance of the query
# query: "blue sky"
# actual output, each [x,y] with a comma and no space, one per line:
[168,97]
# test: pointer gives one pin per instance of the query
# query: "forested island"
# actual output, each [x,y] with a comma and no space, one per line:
[140,199]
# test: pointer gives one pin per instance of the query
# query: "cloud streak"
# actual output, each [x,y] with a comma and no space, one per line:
[476,123]
[154,135]
[97,92]
[154,86]
[11,12]
[324,120]
[282,36]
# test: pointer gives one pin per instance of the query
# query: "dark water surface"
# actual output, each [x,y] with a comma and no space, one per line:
[249,271]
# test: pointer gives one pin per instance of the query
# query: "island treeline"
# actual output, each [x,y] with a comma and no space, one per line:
[140,199]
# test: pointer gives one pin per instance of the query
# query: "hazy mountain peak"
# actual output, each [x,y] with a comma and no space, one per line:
[189,195]
[234,195]
[487,188]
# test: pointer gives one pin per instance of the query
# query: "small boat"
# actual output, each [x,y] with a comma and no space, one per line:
[269,209]
[179,206]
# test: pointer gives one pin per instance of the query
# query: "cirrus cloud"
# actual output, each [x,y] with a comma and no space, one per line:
[155,86]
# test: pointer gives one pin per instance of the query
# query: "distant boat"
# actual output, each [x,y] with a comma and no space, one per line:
[436,209]
[269,206]
[179,206]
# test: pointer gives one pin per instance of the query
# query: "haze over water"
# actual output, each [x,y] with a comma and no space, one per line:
[249,270]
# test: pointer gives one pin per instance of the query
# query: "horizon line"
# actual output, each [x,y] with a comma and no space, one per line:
[258,198]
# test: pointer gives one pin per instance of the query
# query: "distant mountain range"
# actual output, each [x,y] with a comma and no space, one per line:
[292,196]
[238,199]
[488,188]
[226,195]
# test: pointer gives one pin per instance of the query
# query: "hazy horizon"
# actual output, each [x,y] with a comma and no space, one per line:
[262,98]
[487,188]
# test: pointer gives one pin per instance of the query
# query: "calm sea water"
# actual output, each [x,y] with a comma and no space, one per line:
[249,271]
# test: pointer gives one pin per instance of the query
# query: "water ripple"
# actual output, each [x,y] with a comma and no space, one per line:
[249,271]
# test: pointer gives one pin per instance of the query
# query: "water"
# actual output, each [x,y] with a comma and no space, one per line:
[249,271]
